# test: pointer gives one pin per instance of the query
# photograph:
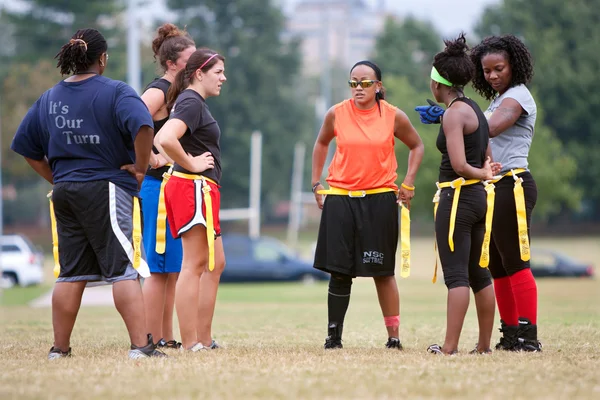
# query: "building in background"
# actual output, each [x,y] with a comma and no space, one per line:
[337,32]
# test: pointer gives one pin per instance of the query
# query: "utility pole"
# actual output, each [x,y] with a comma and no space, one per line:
[133,47]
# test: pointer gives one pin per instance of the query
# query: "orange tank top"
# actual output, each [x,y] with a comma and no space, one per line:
[365,157]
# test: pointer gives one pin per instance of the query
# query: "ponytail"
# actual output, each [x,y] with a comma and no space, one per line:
[83,50]
[180,83]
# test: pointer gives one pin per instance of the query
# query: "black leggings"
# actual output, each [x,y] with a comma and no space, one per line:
[461,266]
[505,255]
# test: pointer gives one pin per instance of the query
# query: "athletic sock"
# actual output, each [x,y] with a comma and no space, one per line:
[525,294]
[507,306]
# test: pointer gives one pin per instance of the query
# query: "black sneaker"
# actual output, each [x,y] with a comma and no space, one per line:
[509,340]
[214,345]
[334,340]
[393,343]
[171,344]
[527,336]
[437,349]
[148,350]
[55,353]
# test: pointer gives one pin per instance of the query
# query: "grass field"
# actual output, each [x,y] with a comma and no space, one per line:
[273,336]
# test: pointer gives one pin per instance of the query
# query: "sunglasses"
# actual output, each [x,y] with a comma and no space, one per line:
[363,84]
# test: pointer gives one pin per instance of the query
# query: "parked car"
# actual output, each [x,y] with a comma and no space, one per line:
[21,262]
[265,259]
[549,263]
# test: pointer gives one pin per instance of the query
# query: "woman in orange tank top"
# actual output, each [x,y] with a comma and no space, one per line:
[358,234]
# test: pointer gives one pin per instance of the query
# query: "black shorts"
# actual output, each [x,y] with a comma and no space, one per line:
[461,266]
[358,236]
[505,254]
[95,232]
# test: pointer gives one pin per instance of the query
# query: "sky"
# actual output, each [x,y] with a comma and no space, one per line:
[448,16]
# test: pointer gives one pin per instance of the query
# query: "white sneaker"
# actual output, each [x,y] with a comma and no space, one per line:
[198,347]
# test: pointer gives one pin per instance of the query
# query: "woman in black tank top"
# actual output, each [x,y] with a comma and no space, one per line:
[172,48]
[460,225]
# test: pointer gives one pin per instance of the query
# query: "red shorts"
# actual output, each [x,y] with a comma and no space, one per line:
[185,205]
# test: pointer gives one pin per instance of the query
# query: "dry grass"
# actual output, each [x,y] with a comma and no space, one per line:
[274,334]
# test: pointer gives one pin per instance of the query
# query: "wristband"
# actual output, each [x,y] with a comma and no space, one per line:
[411,188]
[315,186]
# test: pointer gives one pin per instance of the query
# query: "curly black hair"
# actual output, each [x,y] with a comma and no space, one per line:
[518,55]
[454,63]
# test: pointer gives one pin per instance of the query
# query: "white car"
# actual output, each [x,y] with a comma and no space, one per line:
[21,263]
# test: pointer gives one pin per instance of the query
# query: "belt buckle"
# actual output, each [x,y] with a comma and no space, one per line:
[360,193]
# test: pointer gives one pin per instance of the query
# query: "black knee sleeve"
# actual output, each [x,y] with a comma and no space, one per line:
[340,285]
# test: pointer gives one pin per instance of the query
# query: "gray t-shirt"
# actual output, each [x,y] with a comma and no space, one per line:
[511,147]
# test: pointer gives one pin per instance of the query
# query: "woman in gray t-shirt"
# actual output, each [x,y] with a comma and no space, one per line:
[503,67]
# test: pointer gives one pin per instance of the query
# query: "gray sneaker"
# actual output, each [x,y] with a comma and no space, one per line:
[149,350]
[55,353]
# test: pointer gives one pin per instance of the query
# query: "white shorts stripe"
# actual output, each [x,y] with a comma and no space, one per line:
[198,216]
[143,268]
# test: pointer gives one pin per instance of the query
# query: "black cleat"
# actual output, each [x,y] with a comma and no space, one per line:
[509,340]
[334,340]
[476,351]
[146,351]
[393,343]
[437,349]
[171,344]
[527,337]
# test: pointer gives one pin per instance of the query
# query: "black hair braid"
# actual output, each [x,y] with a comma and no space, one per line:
[519,57]
[83,50]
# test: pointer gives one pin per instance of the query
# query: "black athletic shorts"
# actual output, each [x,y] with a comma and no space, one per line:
[461,266]
[95,232]
[358,236]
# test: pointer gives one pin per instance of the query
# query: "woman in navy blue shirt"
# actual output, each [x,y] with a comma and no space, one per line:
[91,137]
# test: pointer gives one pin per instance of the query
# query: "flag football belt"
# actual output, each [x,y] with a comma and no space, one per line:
[210,226]
[161,216]
[521,213]
[404,217]
[457,184]
[137,235]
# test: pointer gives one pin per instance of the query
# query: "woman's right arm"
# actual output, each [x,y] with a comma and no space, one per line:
[505,116]
[326,135]
[167,140]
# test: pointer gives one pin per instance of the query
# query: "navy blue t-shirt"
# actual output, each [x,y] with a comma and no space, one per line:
[86,129]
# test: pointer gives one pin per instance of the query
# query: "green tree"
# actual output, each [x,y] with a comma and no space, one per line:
[561,37]
[406,48]
[38,29]
[260,93]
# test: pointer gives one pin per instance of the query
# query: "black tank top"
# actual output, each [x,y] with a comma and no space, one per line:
[162,84]
[476,145]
